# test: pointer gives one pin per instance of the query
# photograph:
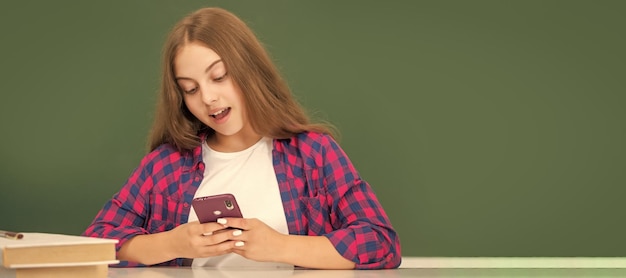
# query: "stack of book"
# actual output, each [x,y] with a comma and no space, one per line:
[47,255]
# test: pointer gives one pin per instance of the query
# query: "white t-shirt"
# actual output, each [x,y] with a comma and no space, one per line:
[248,175]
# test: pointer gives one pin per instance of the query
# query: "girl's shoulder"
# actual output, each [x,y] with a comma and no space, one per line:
[310,140]
[308,143]
[162,151]
[167,154]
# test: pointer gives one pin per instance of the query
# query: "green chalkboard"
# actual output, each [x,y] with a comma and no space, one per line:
[487,128]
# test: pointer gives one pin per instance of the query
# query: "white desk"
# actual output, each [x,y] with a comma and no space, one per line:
[513,262]
[412,267]
[185,272]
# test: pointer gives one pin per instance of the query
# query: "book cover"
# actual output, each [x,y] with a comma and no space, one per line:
[82,271]
[38,250]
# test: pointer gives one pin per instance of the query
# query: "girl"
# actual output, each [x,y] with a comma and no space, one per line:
[226,122]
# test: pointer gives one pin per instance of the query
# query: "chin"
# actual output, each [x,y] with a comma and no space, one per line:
[227,132]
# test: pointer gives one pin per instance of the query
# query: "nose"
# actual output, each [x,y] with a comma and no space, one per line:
[208,96]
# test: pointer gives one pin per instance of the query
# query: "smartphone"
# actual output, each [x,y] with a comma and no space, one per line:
[210,208]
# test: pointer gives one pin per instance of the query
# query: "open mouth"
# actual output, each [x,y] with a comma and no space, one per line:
[221,114]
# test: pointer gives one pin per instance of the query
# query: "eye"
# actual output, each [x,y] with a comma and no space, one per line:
[191,91]
[221,78]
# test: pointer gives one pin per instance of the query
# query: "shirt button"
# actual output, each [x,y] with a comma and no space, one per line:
[186,205]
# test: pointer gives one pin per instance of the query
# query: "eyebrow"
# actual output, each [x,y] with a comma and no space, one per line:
[205,71]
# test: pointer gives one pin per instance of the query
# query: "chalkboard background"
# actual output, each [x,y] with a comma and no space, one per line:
[487,128]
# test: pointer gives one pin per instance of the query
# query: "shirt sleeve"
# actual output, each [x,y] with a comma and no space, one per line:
[125,214]
[364,233]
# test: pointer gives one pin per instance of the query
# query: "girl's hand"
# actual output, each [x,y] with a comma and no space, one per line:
[256,241]
[195,240]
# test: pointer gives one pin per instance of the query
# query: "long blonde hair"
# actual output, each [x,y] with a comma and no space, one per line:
[271,108]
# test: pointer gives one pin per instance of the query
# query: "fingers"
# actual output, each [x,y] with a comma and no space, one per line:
[196,228]
[241,229]
[195,240]
[208,229]
[216,237]
[220,242]
[231,234]
[216,250]
[238,238]
[225,235]
[214,233]
[239,223]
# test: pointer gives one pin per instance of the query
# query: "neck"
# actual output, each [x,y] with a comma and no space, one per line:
[233,143]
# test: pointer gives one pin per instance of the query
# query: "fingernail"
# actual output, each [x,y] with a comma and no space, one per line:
[221,221]
[237,232]
[207,234]
[239,243]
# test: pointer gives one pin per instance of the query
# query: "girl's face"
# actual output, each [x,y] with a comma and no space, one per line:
[210,94]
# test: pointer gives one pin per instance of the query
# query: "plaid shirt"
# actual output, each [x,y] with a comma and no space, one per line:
[321,191]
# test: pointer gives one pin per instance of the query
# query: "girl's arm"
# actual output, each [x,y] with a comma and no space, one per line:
[342,224]
[184,241]
[259,242]
[362,231]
